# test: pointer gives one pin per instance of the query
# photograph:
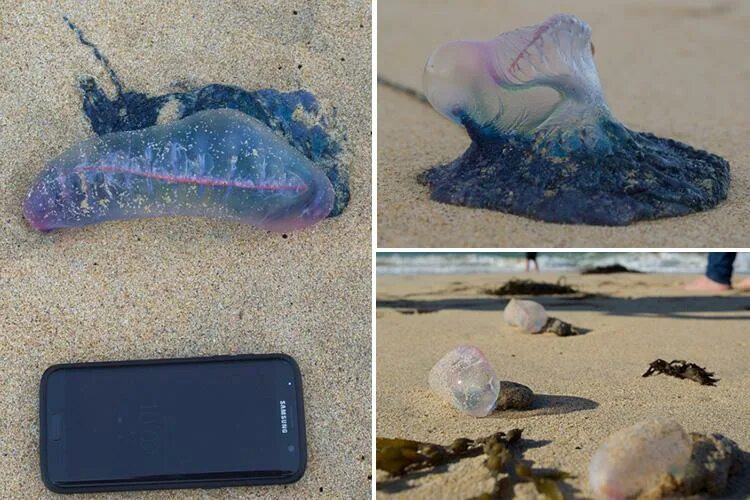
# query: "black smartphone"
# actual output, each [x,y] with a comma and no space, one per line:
[172,423]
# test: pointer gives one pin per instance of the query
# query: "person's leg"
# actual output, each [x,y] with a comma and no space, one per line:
[720,266]
[718,273]
[531,258]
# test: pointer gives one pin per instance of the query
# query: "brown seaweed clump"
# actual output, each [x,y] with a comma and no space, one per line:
[400,457]
[683,370]
[508,471]
[530,287]
[610,269]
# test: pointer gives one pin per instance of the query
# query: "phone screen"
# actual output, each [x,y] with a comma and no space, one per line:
[173,421]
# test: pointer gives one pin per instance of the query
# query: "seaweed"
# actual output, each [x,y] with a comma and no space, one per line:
[530,287]
[546,482]
[683,370]
[400,457]
[509,470]
[610,269]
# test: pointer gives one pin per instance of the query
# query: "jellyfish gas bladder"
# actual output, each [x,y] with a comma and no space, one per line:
[536,77]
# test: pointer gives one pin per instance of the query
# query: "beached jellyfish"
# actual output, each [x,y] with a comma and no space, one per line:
[216,163]
[544,143]
[634,460]
[528,315]
[139,168]
[465,379]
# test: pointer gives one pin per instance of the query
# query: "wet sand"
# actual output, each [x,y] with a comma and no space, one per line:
[586,386]
[677,70]
[184,286]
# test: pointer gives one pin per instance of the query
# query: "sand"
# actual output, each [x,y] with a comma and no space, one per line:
[186,287]
[587,386]
[677,69]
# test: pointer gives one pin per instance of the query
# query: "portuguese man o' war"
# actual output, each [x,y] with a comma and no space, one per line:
[220,163]
[656,458]
[295,118]
[544,143]
[465,379]
[635,459]
[527,315]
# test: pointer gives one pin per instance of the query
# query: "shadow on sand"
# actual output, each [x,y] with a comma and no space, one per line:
[549,404]
[681,307]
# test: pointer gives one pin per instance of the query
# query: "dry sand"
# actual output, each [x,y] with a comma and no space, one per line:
[587,386]
[677,69]
[186,287]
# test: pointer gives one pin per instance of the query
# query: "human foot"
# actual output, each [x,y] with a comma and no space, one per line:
[743,285]
[704,284]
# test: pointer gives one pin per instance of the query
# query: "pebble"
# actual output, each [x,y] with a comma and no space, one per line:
[514,396]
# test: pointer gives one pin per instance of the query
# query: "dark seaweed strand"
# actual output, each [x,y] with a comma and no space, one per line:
[683,370]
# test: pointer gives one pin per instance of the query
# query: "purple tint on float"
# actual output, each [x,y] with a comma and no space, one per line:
[218,163]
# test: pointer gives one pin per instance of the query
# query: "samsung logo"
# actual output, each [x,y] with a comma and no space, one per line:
[282,411]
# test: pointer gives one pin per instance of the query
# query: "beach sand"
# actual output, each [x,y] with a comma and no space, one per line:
[184,286]
[677,69]
[586,386]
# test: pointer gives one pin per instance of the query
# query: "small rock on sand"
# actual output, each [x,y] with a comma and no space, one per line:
[514,396]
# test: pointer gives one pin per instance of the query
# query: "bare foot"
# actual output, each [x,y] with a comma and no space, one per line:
[744,284]
[703,284]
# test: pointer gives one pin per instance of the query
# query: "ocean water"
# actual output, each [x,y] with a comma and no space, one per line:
[412,263]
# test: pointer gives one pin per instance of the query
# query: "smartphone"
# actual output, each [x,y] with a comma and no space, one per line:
[172,423]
